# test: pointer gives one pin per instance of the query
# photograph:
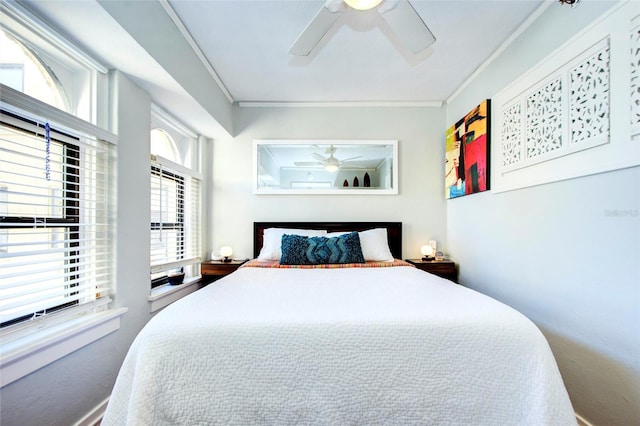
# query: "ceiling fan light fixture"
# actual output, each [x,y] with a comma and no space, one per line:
[362,4]
[332,164]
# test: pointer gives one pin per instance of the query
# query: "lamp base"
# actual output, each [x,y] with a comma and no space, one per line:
[427,258]
[226,259]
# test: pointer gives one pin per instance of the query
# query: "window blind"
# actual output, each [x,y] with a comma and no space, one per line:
[193,224]
[55,250]
[175,218]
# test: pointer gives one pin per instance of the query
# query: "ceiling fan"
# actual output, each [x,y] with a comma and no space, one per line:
[330,163]
[399,15]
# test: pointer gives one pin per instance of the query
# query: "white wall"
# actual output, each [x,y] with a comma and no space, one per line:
[558,252]
[419,204]
[87,375]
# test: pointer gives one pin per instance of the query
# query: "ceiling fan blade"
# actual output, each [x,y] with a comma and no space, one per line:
[307,163]
[350,158]
[319,157]
[317,28]
[407,25]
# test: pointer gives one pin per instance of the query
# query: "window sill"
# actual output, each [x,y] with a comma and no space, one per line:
[167,294]
[35,350]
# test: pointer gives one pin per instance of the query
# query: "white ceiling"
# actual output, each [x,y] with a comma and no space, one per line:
[358,60]
[245,43]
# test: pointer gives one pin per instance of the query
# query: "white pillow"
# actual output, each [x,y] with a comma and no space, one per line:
[336,234]
[272,240]
[375,245]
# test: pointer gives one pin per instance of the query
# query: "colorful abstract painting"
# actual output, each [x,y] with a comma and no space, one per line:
[467,153]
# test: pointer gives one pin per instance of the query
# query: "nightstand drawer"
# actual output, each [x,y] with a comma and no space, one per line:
[442,268]
[212,270]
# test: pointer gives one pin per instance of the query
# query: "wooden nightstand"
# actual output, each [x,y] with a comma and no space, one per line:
[212,270]
[443,268]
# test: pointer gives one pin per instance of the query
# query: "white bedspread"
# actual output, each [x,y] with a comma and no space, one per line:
[367,346]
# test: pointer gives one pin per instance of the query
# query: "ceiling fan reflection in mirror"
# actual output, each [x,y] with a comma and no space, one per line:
[330,163]
[401,17]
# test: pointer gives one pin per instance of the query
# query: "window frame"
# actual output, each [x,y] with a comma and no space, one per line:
[162,278]
[69,220]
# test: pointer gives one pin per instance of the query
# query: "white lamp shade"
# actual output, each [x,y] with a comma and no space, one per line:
[226,251]
[363,4]
[332,164]
[426,250]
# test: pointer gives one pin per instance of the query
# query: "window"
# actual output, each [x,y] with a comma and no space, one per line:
[54,240]
[167,221]
[21,70]
[39,62]
[56,223]
[175,222]
[12,75]
[162,145]
[175,202]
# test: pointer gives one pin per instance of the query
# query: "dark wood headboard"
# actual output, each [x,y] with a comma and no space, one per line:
[394,231]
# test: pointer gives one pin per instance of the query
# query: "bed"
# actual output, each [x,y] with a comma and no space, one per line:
[379,343]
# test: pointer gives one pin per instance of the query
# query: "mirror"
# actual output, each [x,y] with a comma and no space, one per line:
[325,167]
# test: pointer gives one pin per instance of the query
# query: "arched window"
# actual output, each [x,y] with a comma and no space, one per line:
[22,69]
[175,201]
[162,144]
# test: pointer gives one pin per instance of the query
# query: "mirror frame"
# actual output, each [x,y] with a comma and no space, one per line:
[257,143]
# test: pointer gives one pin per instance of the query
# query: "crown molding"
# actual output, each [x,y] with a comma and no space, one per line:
[196,49]
[346,104]
[521,29]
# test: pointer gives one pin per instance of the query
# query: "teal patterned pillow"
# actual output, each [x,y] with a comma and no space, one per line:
[299,250]
[293,249]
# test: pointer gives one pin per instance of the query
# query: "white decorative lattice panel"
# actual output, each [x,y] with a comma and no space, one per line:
[512,135]
[577,111]
[544,118]
[635,80]
[589,98]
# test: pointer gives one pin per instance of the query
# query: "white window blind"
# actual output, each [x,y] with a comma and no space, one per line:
[175,218]
[193,223]
[55,250]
